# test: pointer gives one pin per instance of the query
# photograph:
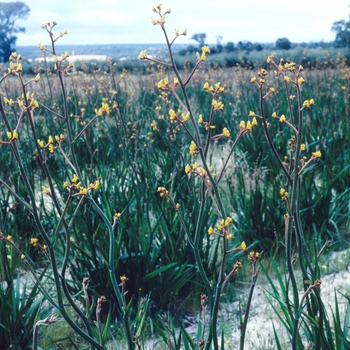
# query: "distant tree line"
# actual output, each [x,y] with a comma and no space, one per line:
[340,28]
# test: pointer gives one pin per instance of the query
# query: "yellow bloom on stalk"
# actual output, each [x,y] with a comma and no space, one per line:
[185,116]
[176,81]
[287,79]
[187,169]
[206,86]
[253,80]
[251,114]
[254,122]
[301,80]
[193,148]
[172,114]
[143,55]
[9,134]
[274,115]
[75,178]
[243,246]
[316,154]
[34,242]
[283,192]
[282,118]
[96,185]
[123,279]
[23,257]
[242,124]
[226,132]
[210,230]
[205,49]
[163,191]
[84,191]
[9,238]
[228,221]
[302,147]
[105,108]
[249,126]
[200,119]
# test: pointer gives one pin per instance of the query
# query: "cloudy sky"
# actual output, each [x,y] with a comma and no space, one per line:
[129,21]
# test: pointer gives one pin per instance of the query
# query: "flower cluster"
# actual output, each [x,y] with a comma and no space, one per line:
[76,184]
[104,109]
[193,148]
[174,117]
[50,143]
[205,51]
[165,85]
[217,89]
[247,127]
[223,226]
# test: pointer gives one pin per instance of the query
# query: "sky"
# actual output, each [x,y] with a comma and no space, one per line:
[129,21]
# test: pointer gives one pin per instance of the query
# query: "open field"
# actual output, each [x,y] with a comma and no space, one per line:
[169,190]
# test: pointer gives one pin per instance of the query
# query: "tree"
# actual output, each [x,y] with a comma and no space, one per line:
[245,45]
[283,44]
[10,12]
[342,33]
[200,38]
[229,47]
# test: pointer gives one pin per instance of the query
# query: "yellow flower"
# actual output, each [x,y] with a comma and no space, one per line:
[316,154]
[185,116]
[287,79]
[254,122]
[226,132]
[210,230]
[34,242]
[242,124]
[172,114]
[282,118]
[270,59]
[143,55]
[301,80]
[123,279]
[200,119]
[193,148]
[243,246]
[23,256]
[251,114]
[206,86]
[105,108]
[274,115]
[253,80]
[187,169]
[9,238]
[249,126]
[75,179]
[302,147]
